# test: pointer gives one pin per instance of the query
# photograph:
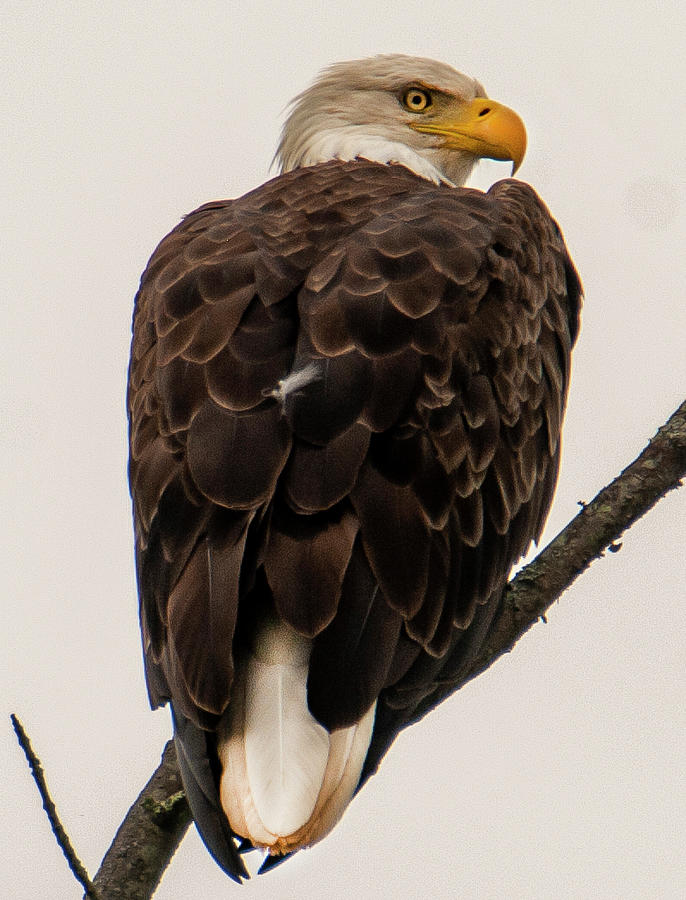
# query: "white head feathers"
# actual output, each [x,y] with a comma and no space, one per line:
[354,110]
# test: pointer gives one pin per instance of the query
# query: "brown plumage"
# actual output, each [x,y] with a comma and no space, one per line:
[378,500]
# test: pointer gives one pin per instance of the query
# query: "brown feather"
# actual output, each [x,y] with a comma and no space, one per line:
[235,460]
[202,612]
[395,537]
[318,476]
[351,657]
[305,563]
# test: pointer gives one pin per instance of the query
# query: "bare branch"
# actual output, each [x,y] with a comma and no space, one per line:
[660,468]
[61,835]
[148,836]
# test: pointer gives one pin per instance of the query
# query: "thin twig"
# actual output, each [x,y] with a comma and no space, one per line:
[61,835]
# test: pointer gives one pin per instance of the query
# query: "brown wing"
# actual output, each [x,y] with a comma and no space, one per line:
[380,497]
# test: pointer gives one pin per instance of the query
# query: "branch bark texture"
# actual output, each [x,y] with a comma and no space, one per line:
[148,838]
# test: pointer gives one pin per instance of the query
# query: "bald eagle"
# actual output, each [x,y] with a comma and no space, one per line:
[345,397]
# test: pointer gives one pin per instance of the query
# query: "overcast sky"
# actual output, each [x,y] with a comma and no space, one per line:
[560,772]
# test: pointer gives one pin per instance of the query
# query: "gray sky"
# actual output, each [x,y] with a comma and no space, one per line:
[559,773]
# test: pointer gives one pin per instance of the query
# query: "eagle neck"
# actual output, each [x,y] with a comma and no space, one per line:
[354,142]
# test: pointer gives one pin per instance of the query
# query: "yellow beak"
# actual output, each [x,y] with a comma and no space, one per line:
[482,127]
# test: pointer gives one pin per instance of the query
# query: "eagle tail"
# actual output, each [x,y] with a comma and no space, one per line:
[286,780]
[193,756]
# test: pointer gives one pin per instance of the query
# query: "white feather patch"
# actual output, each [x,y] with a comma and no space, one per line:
[294,382]
[286,781]
[286,749]
[354,142]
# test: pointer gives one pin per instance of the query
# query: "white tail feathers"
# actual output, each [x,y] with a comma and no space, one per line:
[286,780]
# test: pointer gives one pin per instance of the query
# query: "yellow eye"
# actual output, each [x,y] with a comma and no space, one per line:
[416,99]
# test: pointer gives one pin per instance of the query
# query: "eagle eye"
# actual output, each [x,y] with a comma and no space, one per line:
[416,99]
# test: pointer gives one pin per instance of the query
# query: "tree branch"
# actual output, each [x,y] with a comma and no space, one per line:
[58,830]
[158,819]
[148,837]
